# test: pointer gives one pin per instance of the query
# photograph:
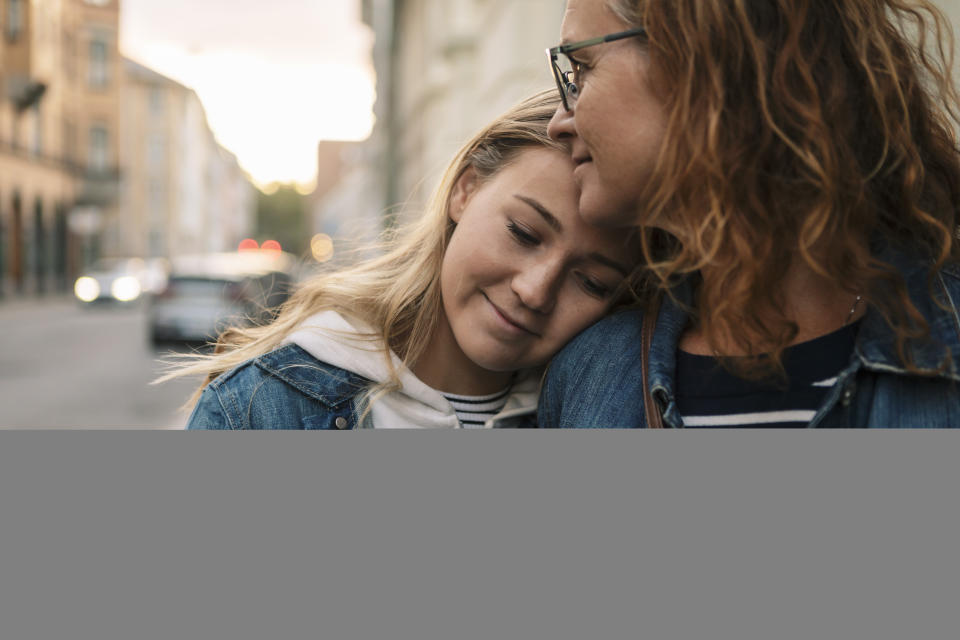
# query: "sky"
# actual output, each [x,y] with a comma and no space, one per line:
[274,77]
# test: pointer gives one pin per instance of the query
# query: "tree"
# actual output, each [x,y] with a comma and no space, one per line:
[282,216]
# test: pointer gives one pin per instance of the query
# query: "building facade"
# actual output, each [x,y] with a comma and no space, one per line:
[59,165]
[100,156]
[183,192]
[445,68]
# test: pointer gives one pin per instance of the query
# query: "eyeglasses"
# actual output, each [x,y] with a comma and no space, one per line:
[567,72]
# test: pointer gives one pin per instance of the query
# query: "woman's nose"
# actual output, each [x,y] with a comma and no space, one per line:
[536,286]
[561,124]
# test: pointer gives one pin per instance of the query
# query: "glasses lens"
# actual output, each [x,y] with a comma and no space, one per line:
[567,78]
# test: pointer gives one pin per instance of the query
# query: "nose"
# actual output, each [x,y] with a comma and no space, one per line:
[536,285]
[561,127]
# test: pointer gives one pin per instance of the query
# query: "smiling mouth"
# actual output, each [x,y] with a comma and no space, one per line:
[510,321]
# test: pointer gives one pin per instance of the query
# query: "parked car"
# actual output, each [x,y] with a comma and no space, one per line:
[205,294]
[121,280]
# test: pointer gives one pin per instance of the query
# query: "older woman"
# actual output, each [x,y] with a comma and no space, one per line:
[794,168]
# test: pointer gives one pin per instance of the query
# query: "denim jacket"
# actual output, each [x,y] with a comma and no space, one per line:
[595,382]
[284,389]
[288,388]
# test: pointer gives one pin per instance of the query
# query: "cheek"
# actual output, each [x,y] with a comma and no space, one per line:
[468,264]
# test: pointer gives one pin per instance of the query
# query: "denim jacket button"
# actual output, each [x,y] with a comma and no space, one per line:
[340,423]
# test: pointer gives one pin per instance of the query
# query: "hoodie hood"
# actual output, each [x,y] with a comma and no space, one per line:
[330,337]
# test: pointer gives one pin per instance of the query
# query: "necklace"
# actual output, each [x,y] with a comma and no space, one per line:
[853,309]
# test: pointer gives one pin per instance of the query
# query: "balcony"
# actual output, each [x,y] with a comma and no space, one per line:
[24,91]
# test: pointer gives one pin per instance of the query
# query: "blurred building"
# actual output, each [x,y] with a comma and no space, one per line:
[444,68]
[59,110]
[343,205]
[99,155]
[452,65]
[183,192]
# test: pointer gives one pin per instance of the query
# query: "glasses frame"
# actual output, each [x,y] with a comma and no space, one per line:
[563,83]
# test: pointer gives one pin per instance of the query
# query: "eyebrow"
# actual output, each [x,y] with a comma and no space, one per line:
[556,226]
[543,211]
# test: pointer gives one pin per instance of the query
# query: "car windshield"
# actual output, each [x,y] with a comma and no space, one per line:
[117,264]
[198,287]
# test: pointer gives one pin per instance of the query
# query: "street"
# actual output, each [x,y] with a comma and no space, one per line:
[63,366]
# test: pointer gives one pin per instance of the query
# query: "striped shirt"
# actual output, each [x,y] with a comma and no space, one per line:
[710,396]
[474,411]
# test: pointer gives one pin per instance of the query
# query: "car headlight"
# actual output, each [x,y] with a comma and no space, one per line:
[125,289]
[86,289]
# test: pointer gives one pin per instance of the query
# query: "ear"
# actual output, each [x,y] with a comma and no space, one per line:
[463,189]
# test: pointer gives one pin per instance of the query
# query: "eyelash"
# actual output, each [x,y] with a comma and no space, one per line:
[522,236]
[594,288]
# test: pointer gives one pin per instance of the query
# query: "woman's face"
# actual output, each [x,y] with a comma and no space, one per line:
[617,125]
[523,273]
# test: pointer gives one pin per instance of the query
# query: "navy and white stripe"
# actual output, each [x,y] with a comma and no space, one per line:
[710,396]
[474,411]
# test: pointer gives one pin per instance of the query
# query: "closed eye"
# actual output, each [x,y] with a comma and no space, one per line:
[521,235]
[594,287]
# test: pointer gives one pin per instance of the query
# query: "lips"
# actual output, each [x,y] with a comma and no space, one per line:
[510,320]
[580,155]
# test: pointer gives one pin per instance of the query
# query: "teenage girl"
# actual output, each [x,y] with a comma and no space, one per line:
[452,325]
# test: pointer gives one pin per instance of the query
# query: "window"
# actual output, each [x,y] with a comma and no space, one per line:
[157,196]
[69,142]
[14,19]
[37,130]
[98,63]
[70,54]
[98,149]
[156,101]
[156,152]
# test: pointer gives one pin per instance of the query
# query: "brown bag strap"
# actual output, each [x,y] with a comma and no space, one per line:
[654,420]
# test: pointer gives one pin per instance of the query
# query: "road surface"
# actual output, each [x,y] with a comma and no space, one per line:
[64,366]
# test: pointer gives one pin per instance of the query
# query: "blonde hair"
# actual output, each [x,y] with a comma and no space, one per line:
[398,293]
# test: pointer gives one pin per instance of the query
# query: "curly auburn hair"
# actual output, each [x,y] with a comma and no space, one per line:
[819,130]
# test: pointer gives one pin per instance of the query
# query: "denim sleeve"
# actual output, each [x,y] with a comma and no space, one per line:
[595,382]
[209,412]
[550,397]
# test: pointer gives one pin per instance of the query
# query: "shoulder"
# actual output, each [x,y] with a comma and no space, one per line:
[285,388]
[579,382]
[610,340]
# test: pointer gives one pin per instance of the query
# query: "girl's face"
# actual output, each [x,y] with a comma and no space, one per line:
[617,125]
[523,273]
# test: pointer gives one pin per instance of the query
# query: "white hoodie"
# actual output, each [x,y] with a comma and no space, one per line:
[330,337]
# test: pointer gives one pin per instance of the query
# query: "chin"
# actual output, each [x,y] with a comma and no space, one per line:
[499,364]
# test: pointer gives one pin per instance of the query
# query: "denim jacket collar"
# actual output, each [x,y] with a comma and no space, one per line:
[671,322]
[330,385]
[876,343]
